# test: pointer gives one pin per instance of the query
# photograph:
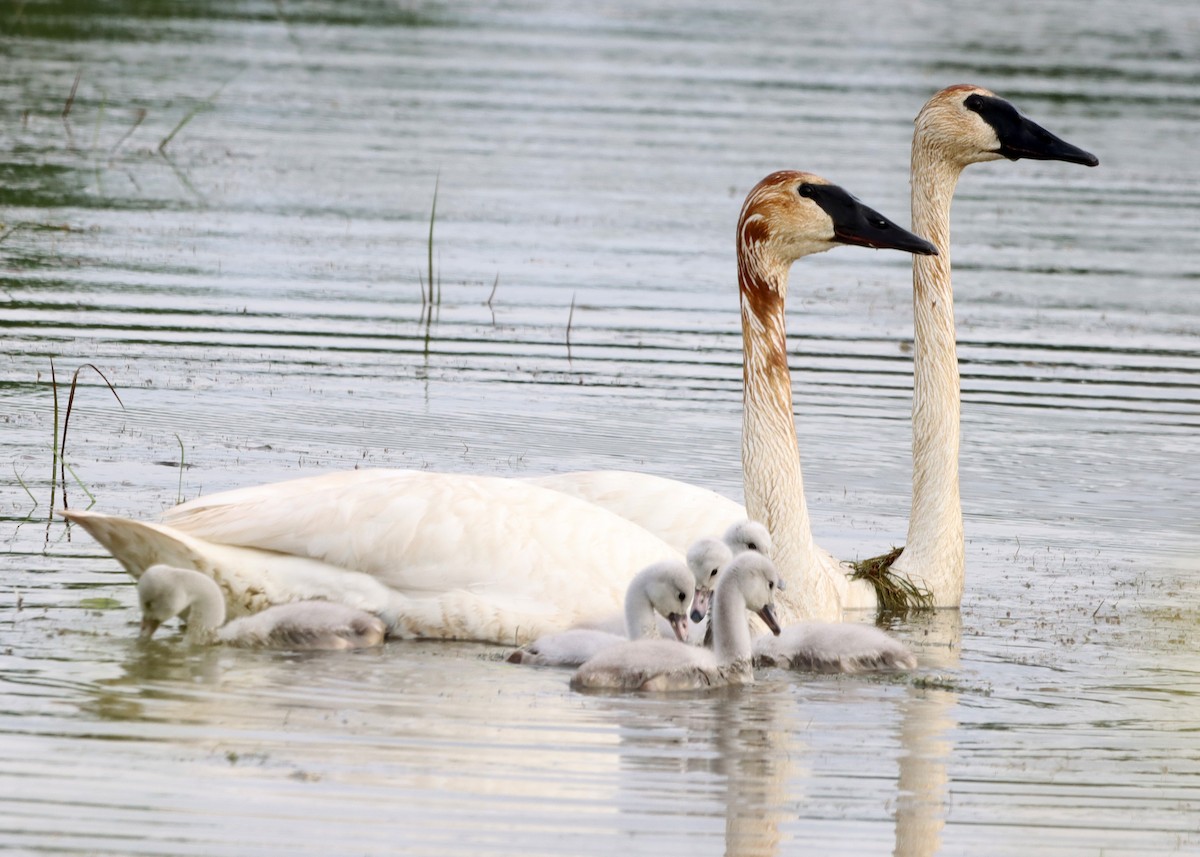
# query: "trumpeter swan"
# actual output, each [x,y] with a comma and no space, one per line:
[959,126]
[482,558]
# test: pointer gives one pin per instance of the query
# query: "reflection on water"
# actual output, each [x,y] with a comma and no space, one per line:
[252,287]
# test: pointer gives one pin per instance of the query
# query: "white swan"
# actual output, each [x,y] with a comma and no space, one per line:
[749,582]
[677,512]
[833,647]
[482,558]
[960,125]
[662,589]
[435,555]
[165,592]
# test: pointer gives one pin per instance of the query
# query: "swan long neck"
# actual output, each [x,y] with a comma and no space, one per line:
[731,632]
[934,553]
[774,485]
[206,607]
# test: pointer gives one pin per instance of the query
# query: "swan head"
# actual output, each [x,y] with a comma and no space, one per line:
[757,580]
[165,592]
[969,124]
[669,586]
[748,536]
[791,214]
[705,558]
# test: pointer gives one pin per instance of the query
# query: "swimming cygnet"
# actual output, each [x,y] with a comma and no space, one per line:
[833,647]
[748,582]
[165,591]
[712,554]
[661,589]
[748,536]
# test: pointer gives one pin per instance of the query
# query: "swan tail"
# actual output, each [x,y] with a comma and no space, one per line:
[138,545]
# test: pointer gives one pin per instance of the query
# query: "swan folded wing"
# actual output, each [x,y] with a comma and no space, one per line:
[677,512]
[428,533]
[251,579]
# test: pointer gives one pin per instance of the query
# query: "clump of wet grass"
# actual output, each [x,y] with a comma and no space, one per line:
[897,595]
[58,450]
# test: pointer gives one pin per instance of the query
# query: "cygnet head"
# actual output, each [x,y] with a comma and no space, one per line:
[165,592]
[748,536]
[757,580]
[966,124]
[706,558]
[669,587]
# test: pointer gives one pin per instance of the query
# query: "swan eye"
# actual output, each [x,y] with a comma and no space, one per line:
[805,190]
[682,597]
[771,584]
[879,223]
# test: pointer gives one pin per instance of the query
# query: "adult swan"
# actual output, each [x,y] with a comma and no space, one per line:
[959,126]
[483,558]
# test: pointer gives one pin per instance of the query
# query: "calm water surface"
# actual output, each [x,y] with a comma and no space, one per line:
[252,291]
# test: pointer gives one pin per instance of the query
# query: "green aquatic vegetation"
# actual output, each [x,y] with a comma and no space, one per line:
[897,595]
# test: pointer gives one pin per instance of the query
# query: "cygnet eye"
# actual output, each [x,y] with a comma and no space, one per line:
[752,546]
[771,584]
[682,597]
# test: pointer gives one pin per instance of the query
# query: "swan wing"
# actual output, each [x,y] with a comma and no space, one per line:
[429,533]
[676,512]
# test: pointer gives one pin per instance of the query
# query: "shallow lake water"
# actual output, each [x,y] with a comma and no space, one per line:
[225,207]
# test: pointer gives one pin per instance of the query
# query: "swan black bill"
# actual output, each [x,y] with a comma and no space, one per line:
[768,617]
[1023,138]
[857,224]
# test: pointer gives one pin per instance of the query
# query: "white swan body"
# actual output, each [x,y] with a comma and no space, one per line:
[165,592]
[482,558]
[663,589]
[748,582]
[959,126]
[833,647]
[436,555]
[676,512]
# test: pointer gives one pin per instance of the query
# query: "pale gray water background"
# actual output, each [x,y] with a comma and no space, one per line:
[255,294]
